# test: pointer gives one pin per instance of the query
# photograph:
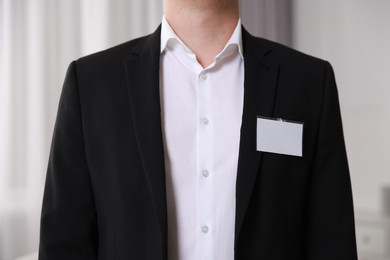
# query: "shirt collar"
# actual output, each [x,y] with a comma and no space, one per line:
[168,37]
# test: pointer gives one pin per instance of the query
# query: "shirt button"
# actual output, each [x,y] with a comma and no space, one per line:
[205,229]
[205,121]
[205,173]
[203,76]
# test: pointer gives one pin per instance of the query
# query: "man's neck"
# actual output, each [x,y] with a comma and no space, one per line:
[204,26]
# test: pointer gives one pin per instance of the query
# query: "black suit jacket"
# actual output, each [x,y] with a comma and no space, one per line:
[105,190]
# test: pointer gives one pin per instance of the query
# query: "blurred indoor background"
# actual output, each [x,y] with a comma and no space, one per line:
[39,38]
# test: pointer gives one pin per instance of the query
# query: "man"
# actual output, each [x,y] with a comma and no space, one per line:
[198,141]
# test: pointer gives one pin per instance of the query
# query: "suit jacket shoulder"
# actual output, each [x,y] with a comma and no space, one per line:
[104,59]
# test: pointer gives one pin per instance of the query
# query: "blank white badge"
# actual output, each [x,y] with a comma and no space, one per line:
[279,136]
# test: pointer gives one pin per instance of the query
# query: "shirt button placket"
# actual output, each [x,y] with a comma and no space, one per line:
[205,192]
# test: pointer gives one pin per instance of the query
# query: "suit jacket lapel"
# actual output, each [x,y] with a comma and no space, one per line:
[260,84]
[142,71]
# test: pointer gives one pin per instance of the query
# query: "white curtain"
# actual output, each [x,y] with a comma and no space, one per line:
[38,39]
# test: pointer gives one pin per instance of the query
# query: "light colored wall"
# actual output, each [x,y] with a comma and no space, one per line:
[354,35]
[269,19]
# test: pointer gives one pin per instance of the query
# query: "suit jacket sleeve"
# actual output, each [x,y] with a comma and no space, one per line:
[68,221]
[330,230]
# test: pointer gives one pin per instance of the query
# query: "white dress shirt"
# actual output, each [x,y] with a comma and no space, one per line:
[201,111]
